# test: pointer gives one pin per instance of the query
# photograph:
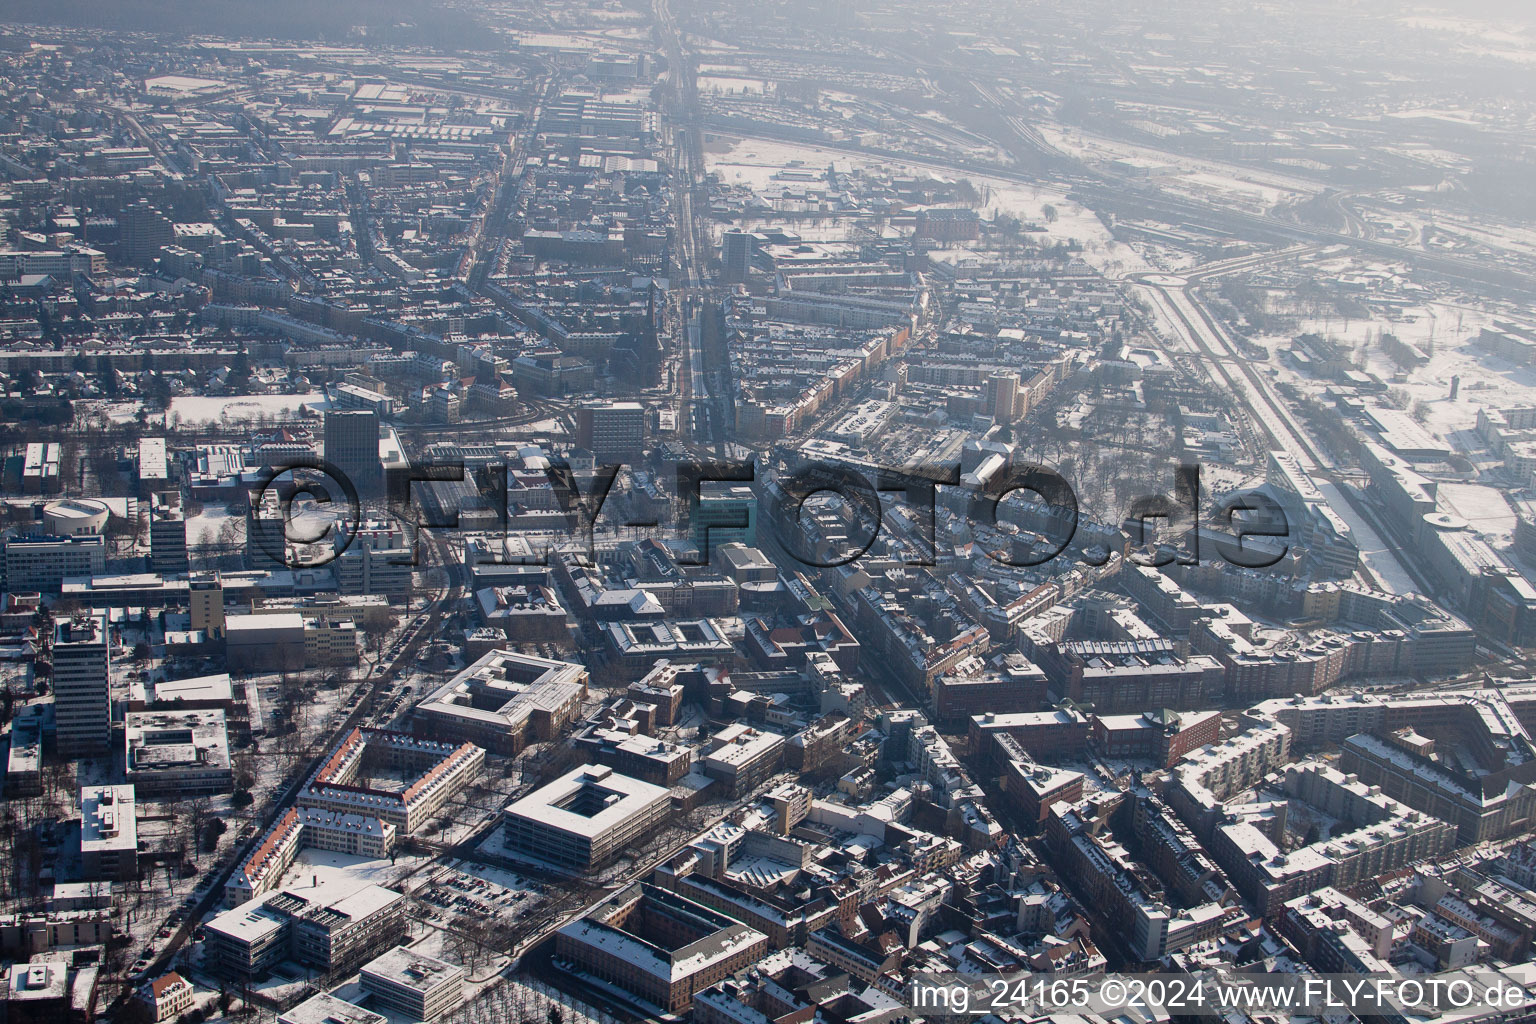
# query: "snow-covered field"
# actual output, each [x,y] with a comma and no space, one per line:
[247,408]
[204,527]
[1447,331]
[754,162]
[1181,172]
[193,409]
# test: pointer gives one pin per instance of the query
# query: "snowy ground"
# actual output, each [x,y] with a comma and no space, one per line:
[523,999]
[754,162]
[204,528]
[117,412]
[1375,554]
[242,408]
[1445,330]
[551,426]
[1233,183]
[190,409]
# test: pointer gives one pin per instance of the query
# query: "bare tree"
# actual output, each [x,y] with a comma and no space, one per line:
[199,818]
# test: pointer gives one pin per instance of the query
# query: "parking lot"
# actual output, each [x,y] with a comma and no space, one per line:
[452,892]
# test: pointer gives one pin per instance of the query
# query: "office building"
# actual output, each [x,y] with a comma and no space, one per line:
[1002,397]
[331,928]
[418,986]
[40,460]
[637,645]
[377,559]
[75,517]
[365,569]
[142,231]
[39,992]
[266,533]
[82,672]
[1028,788]
[1160,736]
[154,468]
[584,819]
[330,641]
[504,701]
[352,396]
[24,756]
[743,564]
[30,934]
[265,643]
[352,446]
[640,757]
[1128,676]
[722,514]
[205,593]
[614,432]
[109,833]
[324,1008]
[178,753]
[661,690]
[736,257]
[1004,684]
[742,757]
[167,534]
[658,945]
[43,563]
[1044,734]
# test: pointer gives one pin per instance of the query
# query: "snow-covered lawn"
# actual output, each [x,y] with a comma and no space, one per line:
[243,408]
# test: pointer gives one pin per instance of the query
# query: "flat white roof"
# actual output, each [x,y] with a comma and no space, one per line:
[742,746]
[325,1008]
[259,623]
[528,682]
[249,921]
[152,458]
[370,899]
[626,797]
[253,919]
[412,969]
[80,890]
[1023,719]
[108,821]
[177,740]
[214,687]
